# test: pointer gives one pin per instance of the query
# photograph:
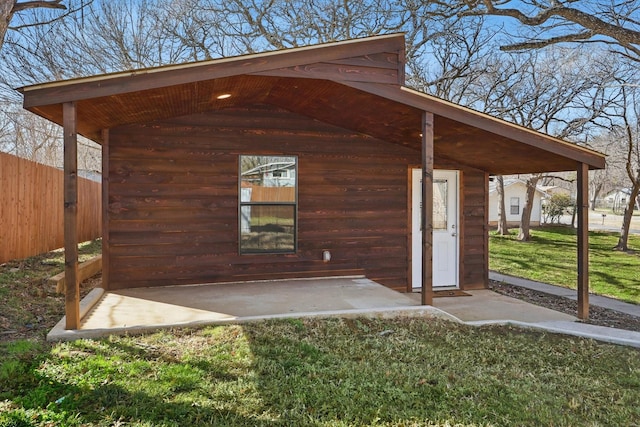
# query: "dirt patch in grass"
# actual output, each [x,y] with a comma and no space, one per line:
[29,306]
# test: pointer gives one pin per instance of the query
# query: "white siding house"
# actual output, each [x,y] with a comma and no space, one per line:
[618,200]
[515,194]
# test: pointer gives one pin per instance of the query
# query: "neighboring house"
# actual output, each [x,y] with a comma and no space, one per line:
[618,200]
[91,175]
[174,138]
[273,174]
[515,194]
[551,190]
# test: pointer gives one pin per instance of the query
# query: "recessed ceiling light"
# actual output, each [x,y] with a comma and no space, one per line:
[224,96]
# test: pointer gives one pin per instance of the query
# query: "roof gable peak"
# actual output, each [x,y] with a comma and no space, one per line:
[349,55]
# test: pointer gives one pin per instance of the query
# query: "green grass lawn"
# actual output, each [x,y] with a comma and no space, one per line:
[551,257]
[403,372]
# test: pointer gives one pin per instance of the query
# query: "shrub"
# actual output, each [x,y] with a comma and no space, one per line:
[556,206]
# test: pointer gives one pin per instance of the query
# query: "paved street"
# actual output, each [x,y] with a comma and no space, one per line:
[609,222]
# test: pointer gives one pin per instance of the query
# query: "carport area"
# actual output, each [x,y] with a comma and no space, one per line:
[141,310]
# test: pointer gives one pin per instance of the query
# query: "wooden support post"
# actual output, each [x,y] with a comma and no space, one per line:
[72,293]
[485,233]
[105,210]
[583,241]
[427,208]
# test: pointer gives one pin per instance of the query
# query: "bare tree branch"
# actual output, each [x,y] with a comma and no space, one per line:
[585,35]
[598,26]
[50,4]
[8,8]
[613,22]
[68,12]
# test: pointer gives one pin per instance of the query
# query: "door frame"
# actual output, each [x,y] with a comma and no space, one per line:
[459,228]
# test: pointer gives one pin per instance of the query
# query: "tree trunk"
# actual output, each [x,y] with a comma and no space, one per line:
[525,222]
[623,241]
[596,193]
[9,7]
[503,227]
[6,8]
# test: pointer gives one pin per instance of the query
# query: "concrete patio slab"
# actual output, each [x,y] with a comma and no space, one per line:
[149,309]
[488,305]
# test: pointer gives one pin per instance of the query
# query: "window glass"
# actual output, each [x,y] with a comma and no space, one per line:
[268,204]
[440,190]
[515,206]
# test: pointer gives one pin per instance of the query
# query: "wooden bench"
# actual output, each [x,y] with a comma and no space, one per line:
[86,270]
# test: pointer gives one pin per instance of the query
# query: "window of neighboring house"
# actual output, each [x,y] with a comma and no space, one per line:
[515,205]
[268,204]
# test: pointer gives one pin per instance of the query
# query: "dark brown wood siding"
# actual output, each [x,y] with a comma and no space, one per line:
[474,244]
[173,195]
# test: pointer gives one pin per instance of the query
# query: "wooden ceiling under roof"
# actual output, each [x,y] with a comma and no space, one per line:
[356,85]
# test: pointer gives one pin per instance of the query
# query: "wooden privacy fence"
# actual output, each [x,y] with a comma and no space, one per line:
[32,204]
[274,195]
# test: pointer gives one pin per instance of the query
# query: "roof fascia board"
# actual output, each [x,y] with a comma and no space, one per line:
[152,78]
[482,121]
[386,76]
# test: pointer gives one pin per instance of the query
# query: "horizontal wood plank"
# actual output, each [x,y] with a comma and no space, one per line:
[86,270]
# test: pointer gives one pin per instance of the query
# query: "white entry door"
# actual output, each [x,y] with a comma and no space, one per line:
[445,228]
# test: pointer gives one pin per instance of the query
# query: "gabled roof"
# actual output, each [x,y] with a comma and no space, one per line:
[355,84]
[623,191]
[508,182]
